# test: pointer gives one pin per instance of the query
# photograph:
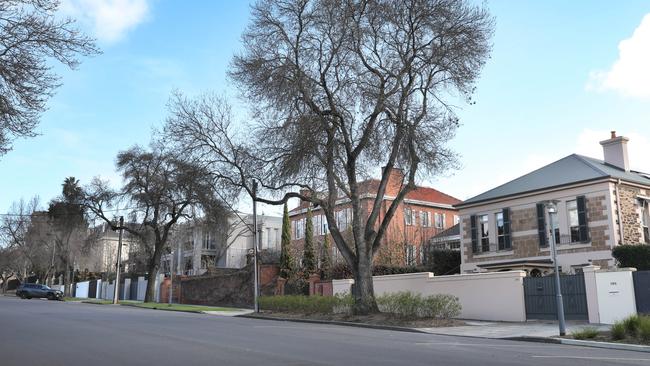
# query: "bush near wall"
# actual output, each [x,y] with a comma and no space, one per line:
[633,255]
[406,305]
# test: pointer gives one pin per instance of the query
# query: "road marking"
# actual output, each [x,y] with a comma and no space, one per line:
[595,358]
[530,345]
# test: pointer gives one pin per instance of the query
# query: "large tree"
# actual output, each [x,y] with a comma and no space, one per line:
[339,88]
[159,190]
[31,35]
[69,227]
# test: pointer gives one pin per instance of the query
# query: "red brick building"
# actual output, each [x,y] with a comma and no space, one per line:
[422,214]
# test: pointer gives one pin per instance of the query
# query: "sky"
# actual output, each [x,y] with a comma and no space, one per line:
[560,77]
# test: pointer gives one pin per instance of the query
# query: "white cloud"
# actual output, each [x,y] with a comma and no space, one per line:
[638,148]
[630,74]
[111,19]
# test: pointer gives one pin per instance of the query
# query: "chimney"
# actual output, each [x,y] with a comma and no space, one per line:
[615,151]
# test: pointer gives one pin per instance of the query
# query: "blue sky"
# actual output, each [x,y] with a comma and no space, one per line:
[556,84]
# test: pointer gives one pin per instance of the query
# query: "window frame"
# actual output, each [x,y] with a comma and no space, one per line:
[574,230]
[484,235]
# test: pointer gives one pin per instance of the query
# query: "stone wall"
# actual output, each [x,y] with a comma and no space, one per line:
[227,287]
[631,220]
[525,240]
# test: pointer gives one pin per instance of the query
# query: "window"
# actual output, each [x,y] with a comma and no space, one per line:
[343,218]
[484,233]
[425,218]
[408,219]
[299,229]
[440,220]
[574,222]
[456,220]
[556,228]
[207,240]
[645,220]
[410,255]
[501,233]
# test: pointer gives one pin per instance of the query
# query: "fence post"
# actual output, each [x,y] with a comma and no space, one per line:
[591,291]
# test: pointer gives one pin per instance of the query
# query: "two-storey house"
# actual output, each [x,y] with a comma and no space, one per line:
[423,213]
[598,204]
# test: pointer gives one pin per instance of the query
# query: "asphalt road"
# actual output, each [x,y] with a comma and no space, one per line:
[38,332]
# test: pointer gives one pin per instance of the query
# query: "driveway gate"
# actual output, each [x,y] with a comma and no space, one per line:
[540,299]
[642,291]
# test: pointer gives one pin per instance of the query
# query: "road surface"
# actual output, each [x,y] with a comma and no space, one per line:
[40,332]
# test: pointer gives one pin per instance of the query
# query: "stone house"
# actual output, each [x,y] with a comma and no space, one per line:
[599,204]
[424,213]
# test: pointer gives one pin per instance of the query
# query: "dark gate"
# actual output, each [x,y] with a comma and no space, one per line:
[642,291]
[133,293]
[92,289]
[540,299]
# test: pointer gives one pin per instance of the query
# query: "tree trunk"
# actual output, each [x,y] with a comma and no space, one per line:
[67,285]
[153,267]
[363,289]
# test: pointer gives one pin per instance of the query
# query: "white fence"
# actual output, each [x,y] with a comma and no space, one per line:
[499,296]
[483,296]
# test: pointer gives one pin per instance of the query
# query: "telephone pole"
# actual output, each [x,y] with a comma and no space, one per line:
[116,289]
[255,274]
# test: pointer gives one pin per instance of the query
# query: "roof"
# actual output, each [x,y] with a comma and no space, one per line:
[569,170]
[420,193]
[452,231]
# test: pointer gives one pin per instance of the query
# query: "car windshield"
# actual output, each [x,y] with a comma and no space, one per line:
[44,287]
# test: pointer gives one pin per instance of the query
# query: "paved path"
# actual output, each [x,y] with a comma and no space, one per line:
[510,330]
[34,332]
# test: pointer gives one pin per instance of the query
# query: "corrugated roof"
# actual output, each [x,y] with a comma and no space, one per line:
[569,170]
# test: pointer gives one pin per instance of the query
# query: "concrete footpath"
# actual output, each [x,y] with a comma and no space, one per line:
[500,330]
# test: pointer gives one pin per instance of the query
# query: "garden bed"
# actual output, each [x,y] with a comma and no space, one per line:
[373,319]
[631,330]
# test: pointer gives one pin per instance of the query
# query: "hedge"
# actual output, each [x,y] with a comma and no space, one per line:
[633,255]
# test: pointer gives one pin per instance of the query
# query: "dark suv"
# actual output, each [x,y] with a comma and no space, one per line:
[29,290]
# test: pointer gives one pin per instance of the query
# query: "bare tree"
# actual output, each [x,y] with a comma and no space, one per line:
[160,189]
[31,35]
[339,88]
[17,231]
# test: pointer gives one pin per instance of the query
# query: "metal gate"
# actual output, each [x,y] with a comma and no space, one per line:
[133,291]
[642,291]
[92,289]
[540,299]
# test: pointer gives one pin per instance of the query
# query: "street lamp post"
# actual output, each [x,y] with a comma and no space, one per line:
[116,288]
[255,274]
[552,209]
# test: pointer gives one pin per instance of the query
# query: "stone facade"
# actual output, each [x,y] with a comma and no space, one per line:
[525,240]
[631,220]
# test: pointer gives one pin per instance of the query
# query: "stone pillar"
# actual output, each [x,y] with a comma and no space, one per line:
[313,278]
[592,293]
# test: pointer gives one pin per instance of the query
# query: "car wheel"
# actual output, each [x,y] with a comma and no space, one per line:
[28,297]
[22,296]
[50,296]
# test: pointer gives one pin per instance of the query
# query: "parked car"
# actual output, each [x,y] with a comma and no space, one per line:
[34,290]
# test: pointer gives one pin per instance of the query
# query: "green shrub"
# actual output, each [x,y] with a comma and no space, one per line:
[643,330]
[618,331]
[585,333]
[306,304]
[410,306]
[631,324]
[633,255]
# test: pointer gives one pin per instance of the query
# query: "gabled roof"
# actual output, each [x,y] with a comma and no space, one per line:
[420,193]
[569,170]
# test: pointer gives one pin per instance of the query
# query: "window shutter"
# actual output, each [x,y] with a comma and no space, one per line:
[474,234]
[506,228]
[541,225]
[582,218]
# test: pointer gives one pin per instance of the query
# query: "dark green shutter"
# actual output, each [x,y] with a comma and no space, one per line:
[474,232]
[506,229]
[541,225]
[582,218]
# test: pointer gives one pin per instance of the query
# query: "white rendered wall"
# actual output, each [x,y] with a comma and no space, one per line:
[496,296]
[616,299]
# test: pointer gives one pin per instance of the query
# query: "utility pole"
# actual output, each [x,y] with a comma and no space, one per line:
[116,289]
[171,273]
[255,274]
[552,209]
